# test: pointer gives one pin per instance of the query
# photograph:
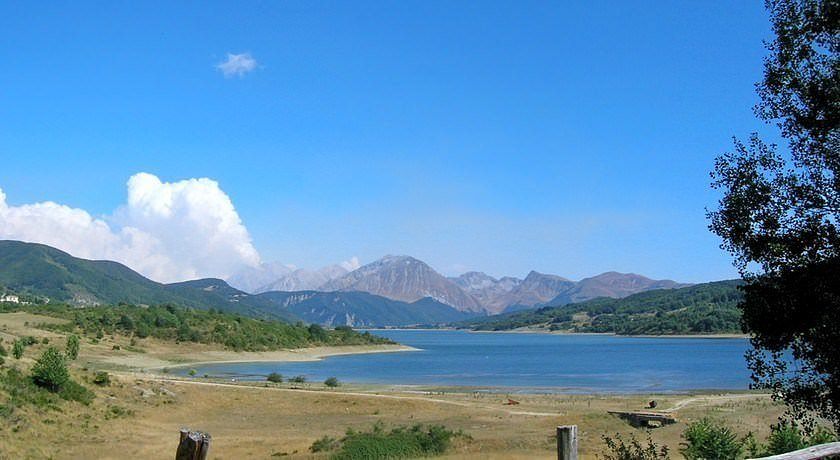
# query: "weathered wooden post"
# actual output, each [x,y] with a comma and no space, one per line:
[193,445]
[567,443]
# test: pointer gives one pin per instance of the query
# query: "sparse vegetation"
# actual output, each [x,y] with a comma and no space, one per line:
[298,379]
[633,449]
[332,382]
[274,377]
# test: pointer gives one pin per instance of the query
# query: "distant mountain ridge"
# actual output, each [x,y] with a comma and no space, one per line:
[407,279]
[361,309]
[539,289]
[41,270]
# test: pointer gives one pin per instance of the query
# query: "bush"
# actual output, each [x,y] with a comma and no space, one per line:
[192,372]
[324,444]
[3,351]
[618,449]
[298,379]
[332,382]
[73,391]
[17,349]
[706,439]
[275,377]
[72,349]
[50,370]
[102,379]
[400,442]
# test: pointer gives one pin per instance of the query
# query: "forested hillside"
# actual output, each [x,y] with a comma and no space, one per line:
[707,308]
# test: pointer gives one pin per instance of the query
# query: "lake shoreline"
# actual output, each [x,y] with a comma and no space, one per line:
[565,333]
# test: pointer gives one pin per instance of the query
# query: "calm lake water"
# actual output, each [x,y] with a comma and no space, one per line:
[528,363]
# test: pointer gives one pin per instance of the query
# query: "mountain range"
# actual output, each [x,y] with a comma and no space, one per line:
[407,279]
[392,291]
[53,275]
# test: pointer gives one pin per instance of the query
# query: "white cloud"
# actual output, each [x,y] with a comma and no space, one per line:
[166,231]
[237,65]
[351,264]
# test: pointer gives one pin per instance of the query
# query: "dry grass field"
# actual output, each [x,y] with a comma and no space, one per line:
[140,413]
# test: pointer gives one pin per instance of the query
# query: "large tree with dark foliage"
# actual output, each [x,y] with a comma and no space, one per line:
[780,213]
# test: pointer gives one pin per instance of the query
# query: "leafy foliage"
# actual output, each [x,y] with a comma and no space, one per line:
[332,382]
[72,350]
[705,439]
[18,348]
[102,378]
[700,309]
[633,449]
[50,370]
[274,377]
[780,213]
[379,443]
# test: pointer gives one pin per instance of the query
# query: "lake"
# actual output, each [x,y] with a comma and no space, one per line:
[527,363]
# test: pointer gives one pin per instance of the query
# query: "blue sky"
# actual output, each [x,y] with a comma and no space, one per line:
[568,138]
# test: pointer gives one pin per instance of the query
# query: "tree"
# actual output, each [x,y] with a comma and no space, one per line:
[274,377]
[17,349]
[72,350]
[780,214]
[332,382]
[50,370]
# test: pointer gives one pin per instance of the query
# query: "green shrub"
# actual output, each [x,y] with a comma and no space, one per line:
[275,377]
[400,442]
[324,444]
[102,378]
[633,449]
[192,372]
[3,351]
[707,439]
[332,382]
[784,437]
[298,379]
[72,391]
[72,349]
[50,370]
[17,348]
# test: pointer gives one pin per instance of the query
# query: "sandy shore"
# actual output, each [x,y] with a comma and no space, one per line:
[158,361]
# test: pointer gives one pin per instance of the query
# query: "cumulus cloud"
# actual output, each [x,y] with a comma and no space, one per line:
[237,65]
[166,231]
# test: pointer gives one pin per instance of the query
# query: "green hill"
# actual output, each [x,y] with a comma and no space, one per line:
[706,308]
[56,276]
[53,275]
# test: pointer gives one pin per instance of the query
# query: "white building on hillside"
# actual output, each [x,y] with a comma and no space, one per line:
[11,298]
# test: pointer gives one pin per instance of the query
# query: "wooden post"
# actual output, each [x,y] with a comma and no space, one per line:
[567,443]
[192,445]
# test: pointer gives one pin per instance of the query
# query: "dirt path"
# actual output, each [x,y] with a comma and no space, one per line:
[711,399]
[360,394]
